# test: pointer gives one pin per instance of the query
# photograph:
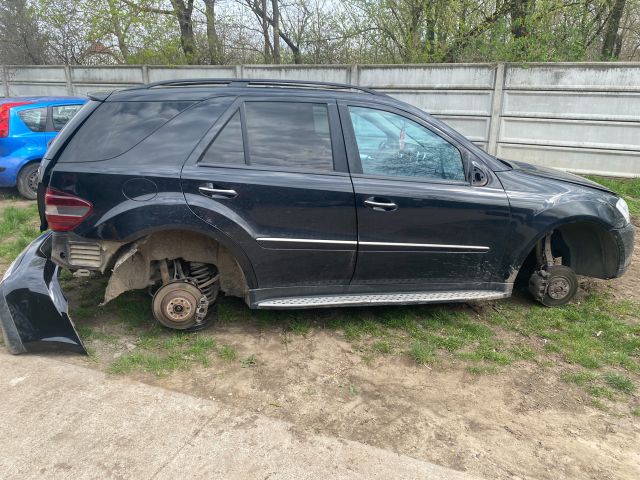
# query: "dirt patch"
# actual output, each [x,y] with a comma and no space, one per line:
[522,421]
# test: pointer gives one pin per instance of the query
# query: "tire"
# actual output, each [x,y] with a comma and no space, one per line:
[554,286]
[27,182]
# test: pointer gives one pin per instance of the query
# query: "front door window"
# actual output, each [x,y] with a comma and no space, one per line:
[392,145]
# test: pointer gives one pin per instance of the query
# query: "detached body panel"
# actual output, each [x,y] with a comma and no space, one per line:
[33,310]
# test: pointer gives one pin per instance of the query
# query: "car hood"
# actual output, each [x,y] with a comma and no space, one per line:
[554,174]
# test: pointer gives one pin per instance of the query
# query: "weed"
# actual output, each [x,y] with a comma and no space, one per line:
[228,353]
[579,378]
[619,382]
[300,326]
[250,361]
[422,353]
[482,369]
[382,346]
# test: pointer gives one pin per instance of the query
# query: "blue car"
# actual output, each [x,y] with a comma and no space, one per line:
[27,125]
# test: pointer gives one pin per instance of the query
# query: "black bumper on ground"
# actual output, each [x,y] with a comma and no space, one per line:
[33,310]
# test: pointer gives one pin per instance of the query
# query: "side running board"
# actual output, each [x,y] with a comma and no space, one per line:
[358,300]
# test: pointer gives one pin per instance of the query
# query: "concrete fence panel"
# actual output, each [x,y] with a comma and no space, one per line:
[583,117]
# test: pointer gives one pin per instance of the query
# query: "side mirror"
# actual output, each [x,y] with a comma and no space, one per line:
[479,177]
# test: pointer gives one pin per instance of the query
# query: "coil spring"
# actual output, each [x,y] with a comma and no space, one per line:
[206,278]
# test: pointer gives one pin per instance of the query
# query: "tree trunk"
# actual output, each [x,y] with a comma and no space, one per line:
[609,48]
[265,32]
[519,11]
[117,30]
[187,38]
[276,33]
[213,40]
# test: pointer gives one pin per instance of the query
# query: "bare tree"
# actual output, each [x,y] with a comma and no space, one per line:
[22,41]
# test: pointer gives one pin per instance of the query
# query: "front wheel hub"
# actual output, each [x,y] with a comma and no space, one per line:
[558,288]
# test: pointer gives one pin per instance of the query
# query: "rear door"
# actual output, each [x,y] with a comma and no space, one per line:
[272,174]
[420,221]
[34,135]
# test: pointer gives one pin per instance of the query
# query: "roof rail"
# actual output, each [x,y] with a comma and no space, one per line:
[246,82]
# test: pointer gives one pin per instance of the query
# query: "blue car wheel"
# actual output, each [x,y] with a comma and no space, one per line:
[27,182]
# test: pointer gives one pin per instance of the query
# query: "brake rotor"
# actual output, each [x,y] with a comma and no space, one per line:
[179,305]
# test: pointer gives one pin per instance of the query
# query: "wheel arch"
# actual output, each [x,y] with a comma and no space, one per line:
[584,244]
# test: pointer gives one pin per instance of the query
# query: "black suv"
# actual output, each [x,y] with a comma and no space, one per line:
[295,195]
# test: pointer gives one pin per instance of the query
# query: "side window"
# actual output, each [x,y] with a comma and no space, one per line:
[227,147]
[34,118]
[392,145]
[62,114]
[293,135]
[116,127]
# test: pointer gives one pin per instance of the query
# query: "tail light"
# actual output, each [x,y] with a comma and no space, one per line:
[4,116]
[64,211]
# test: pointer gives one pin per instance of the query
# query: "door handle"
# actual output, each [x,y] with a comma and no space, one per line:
[380,204]
[208,190]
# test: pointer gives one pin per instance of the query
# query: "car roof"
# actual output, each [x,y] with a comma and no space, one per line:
[43,99]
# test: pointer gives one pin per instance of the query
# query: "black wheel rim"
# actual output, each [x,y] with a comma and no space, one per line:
[32,181]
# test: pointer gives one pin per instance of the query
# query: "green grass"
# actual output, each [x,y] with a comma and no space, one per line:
[18,228]
[629,188]
[228,353]
[593,334]
[619,382]
[422,353]
[178,352]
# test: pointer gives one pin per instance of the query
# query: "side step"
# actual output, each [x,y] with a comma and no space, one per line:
[357,300]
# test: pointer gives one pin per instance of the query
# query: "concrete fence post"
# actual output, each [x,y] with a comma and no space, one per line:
[5,80]
[354,74]
[145,73]
[69,80]
[238,71]
[496,109]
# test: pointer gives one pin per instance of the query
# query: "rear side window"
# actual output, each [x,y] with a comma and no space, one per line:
[34,118]
[292,135]
[61,114]
[227,146]
[116,127]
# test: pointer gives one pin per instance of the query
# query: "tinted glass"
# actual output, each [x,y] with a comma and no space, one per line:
[392,145]
[34,118]
[227,146]
[115,127]
[62,114]
[292,135]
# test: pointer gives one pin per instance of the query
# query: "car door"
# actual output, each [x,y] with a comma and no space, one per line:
[420,220]
[272,174]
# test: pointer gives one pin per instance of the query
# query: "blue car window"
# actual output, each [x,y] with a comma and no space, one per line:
[61,114]
[392,145]
[34,118]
